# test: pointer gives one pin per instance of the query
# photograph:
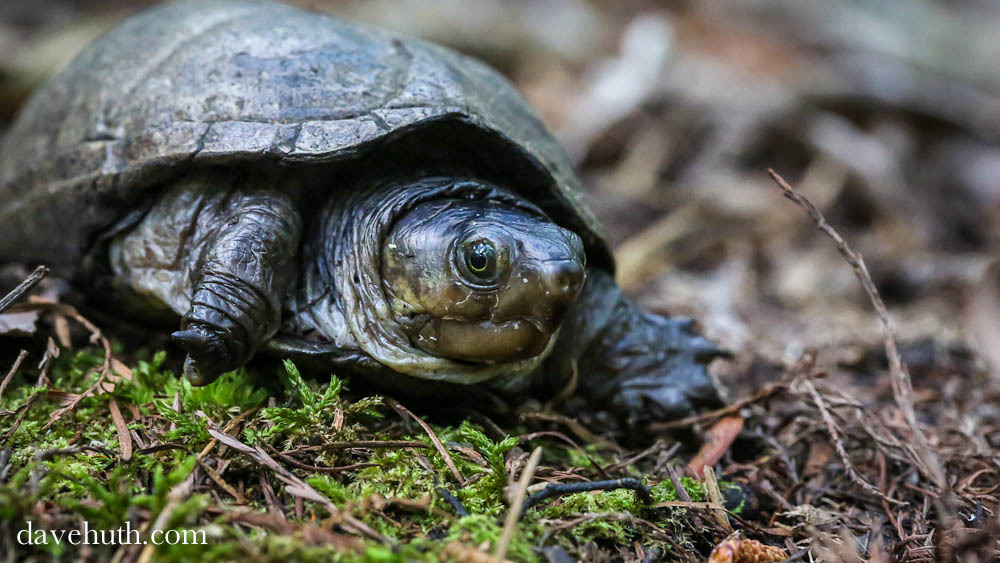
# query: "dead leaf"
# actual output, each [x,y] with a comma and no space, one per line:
[720,437]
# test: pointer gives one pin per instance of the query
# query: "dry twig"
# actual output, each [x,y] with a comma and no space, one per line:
[23,287]
[902,387]
[838,444]
[430,432]
[296,486]
[734,408]
[13,369]
[217,478]
[514,514]
[373,444]
[96,337]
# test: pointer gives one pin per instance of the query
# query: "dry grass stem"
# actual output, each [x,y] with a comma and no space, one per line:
[514,514]
[715,497]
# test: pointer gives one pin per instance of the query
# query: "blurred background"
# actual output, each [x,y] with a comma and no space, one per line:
[886,114]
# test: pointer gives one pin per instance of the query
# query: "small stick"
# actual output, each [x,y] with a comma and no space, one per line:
[215,476]
[571,423]
[19,415]
[704,505]
[24,287]
[270,498]
[96,337]
[430,432]
[659,446]
[514,514]
[838,445]
[679,489]
[454,502]
[767,391]
[316,468]
[13,370]
[559,489]
[373,444]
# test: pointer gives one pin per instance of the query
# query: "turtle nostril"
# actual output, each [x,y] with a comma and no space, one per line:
[568,278]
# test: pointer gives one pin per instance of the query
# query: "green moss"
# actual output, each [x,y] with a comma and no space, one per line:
[310,414]
[397,496]
[664,491]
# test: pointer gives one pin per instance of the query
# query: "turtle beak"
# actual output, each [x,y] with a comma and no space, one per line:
[554,279]
[562,280]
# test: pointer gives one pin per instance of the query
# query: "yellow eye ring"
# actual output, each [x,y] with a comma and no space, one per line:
[481,260]
[478,263]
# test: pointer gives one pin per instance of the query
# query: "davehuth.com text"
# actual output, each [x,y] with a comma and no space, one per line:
[124,535]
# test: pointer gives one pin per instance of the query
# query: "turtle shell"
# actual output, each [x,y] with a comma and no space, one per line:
[223,82]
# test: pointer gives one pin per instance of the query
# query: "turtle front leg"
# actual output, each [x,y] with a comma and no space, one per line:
[219,250]
[641,366]
[239,284]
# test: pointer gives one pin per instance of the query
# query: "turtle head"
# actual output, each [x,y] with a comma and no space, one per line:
[481,280]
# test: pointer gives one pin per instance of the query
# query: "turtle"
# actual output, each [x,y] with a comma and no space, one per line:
[271,181]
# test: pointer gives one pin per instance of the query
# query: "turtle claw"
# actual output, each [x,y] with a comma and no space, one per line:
[656,368]
[208,356]
[675,387]
[193,374]
[678,393]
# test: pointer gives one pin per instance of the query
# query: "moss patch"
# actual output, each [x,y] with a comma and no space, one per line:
[179,477]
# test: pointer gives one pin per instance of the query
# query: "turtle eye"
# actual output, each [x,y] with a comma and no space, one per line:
[481,262]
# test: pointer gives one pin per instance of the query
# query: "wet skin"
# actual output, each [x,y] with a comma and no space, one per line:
[481,281]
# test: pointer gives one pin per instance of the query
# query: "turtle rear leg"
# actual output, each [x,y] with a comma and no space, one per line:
[222,258]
